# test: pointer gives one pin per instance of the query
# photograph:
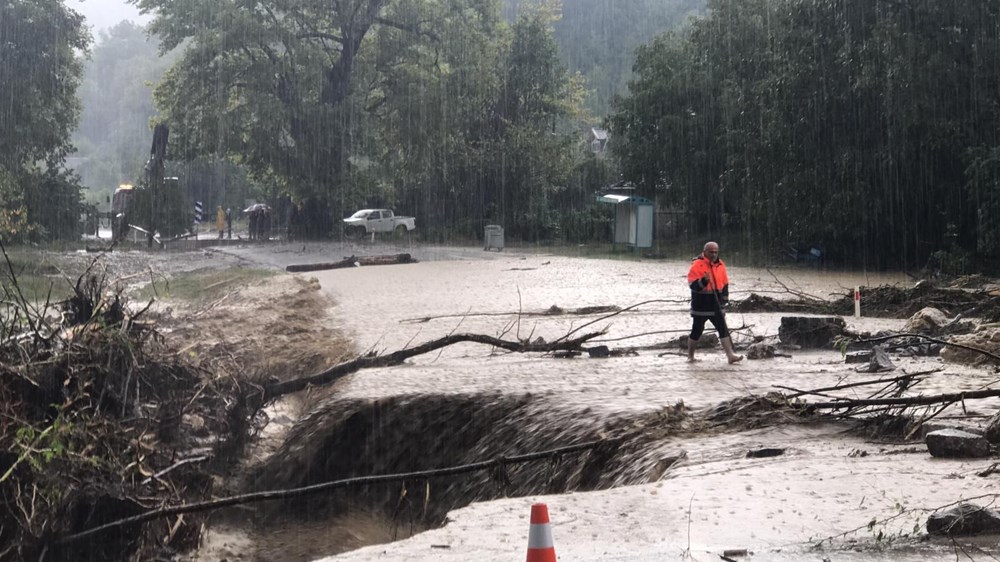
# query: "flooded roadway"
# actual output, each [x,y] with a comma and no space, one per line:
[828,485]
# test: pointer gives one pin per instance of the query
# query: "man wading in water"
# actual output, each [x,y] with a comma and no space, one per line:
[709,292]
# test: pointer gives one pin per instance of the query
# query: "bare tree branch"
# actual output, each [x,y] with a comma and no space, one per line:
[605,317]
[320,35]
[411,28]
[799,294]
[327,486]
[905,401]
[397,357]
[854,384]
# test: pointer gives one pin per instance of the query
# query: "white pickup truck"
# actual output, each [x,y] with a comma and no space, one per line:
[367,221]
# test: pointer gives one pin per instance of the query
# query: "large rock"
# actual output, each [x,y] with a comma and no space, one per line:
[964,519]
[932,426]
[878,362]
[810,331]
[955,443]
[927,320]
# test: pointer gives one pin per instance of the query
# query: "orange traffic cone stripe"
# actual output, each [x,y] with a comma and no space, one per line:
[540,546]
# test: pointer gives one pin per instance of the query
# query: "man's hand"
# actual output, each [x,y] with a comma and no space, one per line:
[705,279]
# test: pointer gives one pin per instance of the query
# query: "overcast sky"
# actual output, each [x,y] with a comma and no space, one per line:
[102,14]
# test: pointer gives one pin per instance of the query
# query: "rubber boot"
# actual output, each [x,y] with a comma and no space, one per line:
[692,345]
[727,344]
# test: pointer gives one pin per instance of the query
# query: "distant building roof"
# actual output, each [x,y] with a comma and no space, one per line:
[616,199]
[599,134]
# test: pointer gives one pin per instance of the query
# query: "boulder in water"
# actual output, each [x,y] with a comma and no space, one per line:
[964,519]
[878,362]
[928,320]
[955,443]
[810,331]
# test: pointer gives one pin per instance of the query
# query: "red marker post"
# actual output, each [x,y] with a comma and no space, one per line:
[857,302]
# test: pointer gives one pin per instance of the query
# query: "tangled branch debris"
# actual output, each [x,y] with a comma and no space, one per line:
[883,301]
[96,423]
[956,345]
[886,411]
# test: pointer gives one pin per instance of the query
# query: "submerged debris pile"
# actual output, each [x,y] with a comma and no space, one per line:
[100,421]
[749,412]
[883,301]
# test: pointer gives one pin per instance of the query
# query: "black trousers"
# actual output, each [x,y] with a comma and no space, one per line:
[718,320]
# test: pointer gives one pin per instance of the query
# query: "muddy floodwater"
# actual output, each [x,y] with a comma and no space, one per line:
[814,502]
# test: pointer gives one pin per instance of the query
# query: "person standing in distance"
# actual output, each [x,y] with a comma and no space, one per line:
[220,221]
[709,293]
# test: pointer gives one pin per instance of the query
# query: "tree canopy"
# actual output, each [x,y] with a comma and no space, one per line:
[438,106]
[41,42]
[869,128]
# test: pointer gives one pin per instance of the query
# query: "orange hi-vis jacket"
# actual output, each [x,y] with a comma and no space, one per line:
[706,298]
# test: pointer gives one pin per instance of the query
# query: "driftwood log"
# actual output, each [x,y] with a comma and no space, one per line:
[352,261]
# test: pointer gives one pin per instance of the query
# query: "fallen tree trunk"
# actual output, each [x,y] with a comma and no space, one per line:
[352,261]
[397,357]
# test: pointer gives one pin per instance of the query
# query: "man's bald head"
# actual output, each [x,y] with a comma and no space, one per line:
[711,251]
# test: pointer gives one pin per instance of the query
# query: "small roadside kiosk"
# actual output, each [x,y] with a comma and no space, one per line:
[633,219]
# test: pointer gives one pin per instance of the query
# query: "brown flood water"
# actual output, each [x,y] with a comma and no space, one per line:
[716,499]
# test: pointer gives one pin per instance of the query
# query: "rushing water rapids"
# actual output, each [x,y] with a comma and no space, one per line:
[469,402]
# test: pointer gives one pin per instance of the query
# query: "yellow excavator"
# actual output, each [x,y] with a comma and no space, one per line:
[121,216]
[119,207]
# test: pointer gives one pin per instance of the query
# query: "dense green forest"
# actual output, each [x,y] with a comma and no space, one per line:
[869,128]
[440,109]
